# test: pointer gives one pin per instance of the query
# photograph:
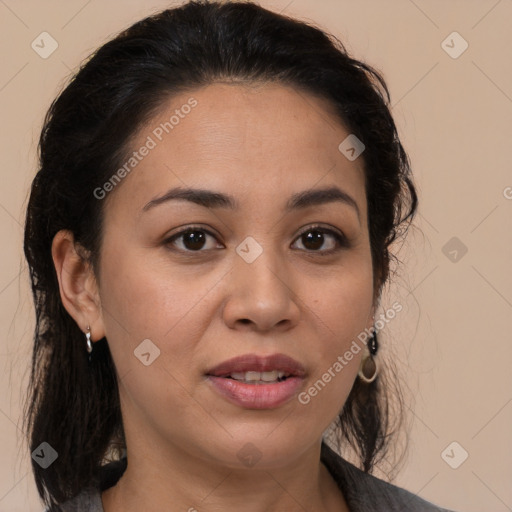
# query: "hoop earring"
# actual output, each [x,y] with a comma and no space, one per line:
[368,369]
[88,341]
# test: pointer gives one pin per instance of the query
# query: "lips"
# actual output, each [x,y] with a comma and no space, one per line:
[257,382]
[255,363]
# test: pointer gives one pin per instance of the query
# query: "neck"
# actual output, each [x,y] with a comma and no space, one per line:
[158,480]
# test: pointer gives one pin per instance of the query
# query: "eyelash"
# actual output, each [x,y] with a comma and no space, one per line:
[340,239]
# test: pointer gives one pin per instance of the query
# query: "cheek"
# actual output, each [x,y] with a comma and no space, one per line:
[344,316]
[147,298]
[343,303]
[340,312]
[142,301]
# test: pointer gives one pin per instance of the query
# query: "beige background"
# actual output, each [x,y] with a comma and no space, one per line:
[452,343]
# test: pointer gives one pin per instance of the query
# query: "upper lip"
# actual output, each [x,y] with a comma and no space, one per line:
[256,363]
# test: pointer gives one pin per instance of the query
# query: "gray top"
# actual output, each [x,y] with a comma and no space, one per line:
[362,492]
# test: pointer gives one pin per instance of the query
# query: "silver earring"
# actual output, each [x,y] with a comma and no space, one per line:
[88,337]
[368,369]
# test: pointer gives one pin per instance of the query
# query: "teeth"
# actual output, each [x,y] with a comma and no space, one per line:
[258,376]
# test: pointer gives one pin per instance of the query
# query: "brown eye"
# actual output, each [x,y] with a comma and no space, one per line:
[314,239]
[195,239]
[192,240]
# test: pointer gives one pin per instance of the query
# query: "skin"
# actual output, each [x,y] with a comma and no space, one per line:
[260,144]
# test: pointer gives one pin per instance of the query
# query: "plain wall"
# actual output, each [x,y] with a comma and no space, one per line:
[452,342]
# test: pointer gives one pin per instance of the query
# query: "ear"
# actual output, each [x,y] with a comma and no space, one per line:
[77,284]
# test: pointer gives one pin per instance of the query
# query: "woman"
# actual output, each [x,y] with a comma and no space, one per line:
[208,237]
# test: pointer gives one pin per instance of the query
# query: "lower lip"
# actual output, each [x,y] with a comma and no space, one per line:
[257,396]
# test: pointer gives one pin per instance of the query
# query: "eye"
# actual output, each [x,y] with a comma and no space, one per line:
[193,239]
[314,237]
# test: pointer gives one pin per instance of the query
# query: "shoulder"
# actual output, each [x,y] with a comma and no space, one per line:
[365,492]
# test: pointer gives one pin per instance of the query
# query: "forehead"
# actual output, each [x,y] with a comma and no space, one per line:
[253,141]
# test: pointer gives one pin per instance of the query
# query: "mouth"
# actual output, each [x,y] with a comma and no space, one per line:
[252,368]
[252,377]
[257,382]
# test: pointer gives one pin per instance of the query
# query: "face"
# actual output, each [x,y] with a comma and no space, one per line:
[186,286]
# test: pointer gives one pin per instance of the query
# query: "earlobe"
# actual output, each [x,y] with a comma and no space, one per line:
[77,284]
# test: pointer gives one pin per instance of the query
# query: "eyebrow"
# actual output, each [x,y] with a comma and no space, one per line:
[211,199]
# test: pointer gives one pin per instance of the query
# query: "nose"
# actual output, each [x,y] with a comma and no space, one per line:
[262,295]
